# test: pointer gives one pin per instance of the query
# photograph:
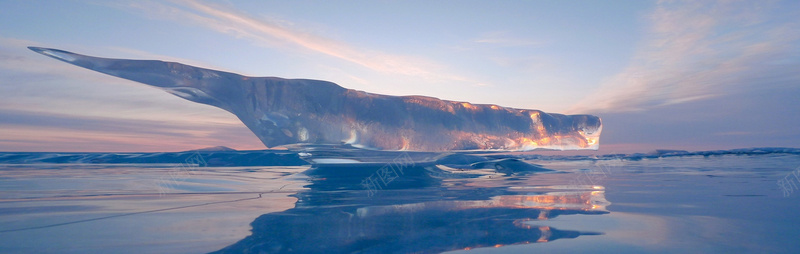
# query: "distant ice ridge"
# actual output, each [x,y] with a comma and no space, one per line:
[223,157]
[291,111]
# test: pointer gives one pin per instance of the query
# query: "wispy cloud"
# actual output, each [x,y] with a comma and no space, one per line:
[38,131]
[276,33]
[701,49]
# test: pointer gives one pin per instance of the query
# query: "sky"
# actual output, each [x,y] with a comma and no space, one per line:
[691,75]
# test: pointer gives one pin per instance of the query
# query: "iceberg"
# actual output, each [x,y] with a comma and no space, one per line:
[302,111]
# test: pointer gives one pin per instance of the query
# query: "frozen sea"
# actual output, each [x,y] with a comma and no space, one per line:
[736,202]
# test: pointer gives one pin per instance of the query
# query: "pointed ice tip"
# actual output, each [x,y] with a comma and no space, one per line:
[55,53]
[39,50]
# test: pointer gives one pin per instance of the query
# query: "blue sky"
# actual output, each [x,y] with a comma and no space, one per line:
[666,74]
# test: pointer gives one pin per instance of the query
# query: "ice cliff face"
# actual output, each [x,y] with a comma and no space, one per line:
[290,111]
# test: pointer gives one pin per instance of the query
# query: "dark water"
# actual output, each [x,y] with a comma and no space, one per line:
[694,204]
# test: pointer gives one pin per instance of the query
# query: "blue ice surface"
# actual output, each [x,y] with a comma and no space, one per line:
[663,202]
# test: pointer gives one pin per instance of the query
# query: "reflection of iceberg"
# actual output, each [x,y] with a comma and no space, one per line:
[336,230]
[416,213]
[288,111]
[588,201]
